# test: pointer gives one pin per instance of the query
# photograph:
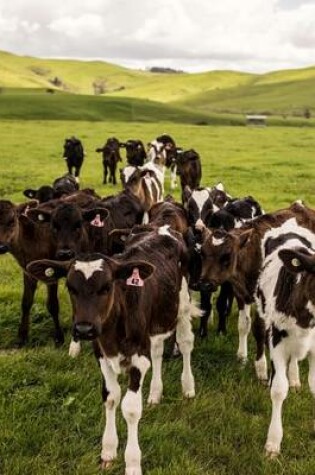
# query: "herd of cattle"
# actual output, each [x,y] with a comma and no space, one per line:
[131,260]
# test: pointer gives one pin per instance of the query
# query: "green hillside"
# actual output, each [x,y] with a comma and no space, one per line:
[287,92]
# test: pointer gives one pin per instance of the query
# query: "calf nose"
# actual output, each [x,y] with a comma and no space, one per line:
[205,286]
[65,254]
[4,248]
[84,331]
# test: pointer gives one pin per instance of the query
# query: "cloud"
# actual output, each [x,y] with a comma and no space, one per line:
[252,35]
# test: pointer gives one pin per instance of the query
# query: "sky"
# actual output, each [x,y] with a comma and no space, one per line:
[190,35]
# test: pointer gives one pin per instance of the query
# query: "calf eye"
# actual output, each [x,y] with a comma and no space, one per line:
[104,289]
[225,260]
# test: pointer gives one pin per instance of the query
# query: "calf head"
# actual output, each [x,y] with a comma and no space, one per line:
[67,226]
[91,282]
[199,206]
[8,225]
[219,254]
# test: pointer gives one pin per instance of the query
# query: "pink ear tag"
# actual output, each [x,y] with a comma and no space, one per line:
[135,278]
[97,222]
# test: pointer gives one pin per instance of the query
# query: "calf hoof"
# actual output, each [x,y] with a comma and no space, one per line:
[272,450]
[133,471]
[295,386]
[59,338]
[154,398]
[189,394]
[74,349]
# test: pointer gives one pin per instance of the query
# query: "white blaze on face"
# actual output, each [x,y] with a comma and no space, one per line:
[217,242]
[165,231]
[127,172]
[200,197]
[88,268]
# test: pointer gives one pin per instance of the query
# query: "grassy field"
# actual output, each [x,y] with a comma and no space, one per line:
[51,419]
[287,92]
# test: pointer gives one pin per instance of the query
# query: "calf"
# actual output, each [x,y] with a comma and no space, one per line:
[163,152]
[235,257]
[145,184]
[62,186]
[135,152]
[189,170]
[111,157]
[128,306]
[286,302]
[26,242]
[73,154]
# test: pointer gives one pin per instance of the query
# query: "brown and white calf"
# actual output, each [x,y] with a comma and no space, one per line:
[286,302]
[163,152]
[128,306]
[236,257]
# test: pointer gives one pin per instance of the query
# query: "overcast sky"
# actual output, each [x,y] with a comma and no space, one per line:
[194,35]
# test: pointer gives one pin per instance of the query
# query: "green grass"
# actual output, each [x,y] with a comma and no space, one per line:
[51,418]
[286,92]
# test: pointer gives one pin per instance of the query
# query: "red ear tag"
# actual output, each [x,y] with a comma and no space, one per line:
[135,278]
[97,222]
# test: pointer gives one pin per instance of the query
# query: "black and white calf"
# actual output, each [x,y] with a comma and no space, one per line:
[286,302]
[128,307]
[163,152]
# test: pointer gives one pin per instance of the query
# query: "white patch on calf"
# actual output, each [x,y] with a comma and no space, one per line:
[74,348]
[219,187]
[165,231]
[217,242]
[88,268]
[200,197]
[127,172]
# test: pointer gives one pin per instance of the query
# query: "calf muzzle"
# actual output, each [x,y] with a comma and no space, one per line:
[4,248]
[65,254]
[207,286]
[84,331]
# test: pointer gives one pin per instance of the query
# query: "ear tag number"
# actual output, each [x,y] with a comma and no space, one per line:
[135,279]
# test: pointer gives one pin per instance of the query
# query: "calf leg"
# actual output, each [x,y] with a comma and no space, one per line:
[244,325]
[111,398]
[259,332]
[279,391]
[206,307]
[156,387]
[29,289]
[76,174]
[173,176]
[105,172]
[311,381]
[53,309]
[185,340]
[224,305]
[294,374]
[132,411]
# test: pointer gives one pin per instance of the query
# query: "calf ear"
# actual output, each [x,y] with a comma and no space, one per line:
[96,216]
[244,238]
[125,271]
[296,261]
[39,216]
[187,193]
[30,193]
[48,271]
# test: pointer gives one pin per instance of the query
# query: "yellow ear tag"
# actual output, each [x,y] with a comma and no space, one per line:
[295,262]
[49,272]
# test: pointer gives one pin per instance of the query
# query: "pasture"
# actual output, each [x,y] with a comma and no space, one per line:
[51,417]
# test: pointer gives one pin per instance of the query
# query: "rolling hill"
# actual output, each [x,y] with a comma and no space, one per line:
[287,92]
